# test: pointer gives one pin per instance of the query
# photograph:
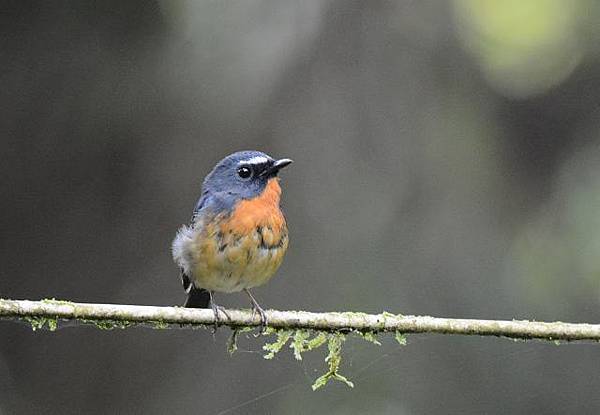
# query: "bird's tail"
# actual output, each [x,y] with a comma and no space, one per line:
[197,298]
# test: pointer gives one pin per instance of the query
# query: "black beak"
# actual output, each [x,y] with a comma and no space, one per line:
[276,166]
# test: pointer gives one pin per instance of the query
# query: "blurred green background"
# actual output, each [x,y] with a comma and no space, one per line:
[447,162]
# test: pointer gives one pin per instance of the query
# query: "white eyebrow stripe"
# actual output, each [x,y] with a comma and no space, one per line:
[255,160]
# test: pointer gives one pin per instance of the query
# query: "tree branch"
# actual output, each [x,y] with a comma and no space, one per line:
[125,315]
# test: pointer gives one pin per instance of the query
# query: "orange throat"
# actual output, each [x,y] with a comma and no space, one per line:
[261,211]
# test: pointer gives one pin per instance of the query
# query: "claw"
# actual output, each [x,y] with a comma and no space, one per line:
[216,308]
[263,318]
[256,308]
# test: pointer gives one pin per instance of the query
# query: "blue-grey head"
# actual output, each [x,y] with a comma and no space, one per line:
[241,175]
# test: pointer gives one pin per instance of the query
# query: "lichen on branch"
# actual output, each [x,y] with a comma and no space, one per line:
[304,331]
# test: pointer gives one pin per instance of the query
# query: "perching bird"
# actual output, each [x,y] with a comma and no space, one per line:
[238,234]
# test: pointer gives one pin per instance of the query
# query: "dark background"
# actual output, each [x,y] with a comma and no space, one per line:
[446,163]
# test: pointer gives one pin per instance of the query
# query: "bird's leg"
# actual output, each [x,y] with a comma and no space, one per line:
[216,308]
[256,308]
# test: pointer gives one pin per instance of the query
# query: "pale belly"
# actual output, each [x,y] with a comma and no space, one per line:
[225,263]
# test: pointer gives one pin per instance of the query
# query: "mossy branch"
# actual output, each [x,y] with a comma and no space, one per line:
[303,331]
[121,316]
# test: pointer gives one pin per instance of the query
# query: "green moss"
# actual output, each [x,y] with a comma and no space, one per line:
[109,324]
[333,359]
[232,341]
[303,340]
[282,338]
[160,325]
[298,342]
[400,338]
[369,336]
[317,341]
[38,322]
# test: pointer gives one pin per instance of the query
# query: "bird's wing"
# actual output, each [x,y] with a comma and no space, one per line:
[215,202]
[201,204]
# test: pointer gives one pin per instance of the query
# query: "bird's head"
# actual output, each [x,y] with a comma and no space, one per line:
[243,175]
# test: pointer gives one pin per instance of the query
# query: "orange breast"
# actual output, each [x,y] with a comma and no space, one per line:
[261,212]
[243,249]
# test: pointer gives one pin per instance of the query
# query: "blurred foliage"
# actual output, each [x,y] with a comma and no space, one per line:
[523,47]
[557,254]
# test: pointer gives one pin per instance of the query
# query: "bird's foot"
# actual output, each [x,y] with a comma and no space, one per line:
[216,309]
[256,308]
[263,317]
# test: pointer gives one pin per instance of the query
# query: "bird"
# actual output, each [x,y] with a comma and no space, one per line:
[238,234]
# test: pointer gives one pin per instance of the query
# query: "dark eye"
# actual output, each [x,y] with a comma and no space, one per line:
[244,172]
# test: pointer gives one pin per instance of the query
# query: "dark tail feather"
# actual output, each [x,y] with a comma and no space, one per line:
[197,298]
